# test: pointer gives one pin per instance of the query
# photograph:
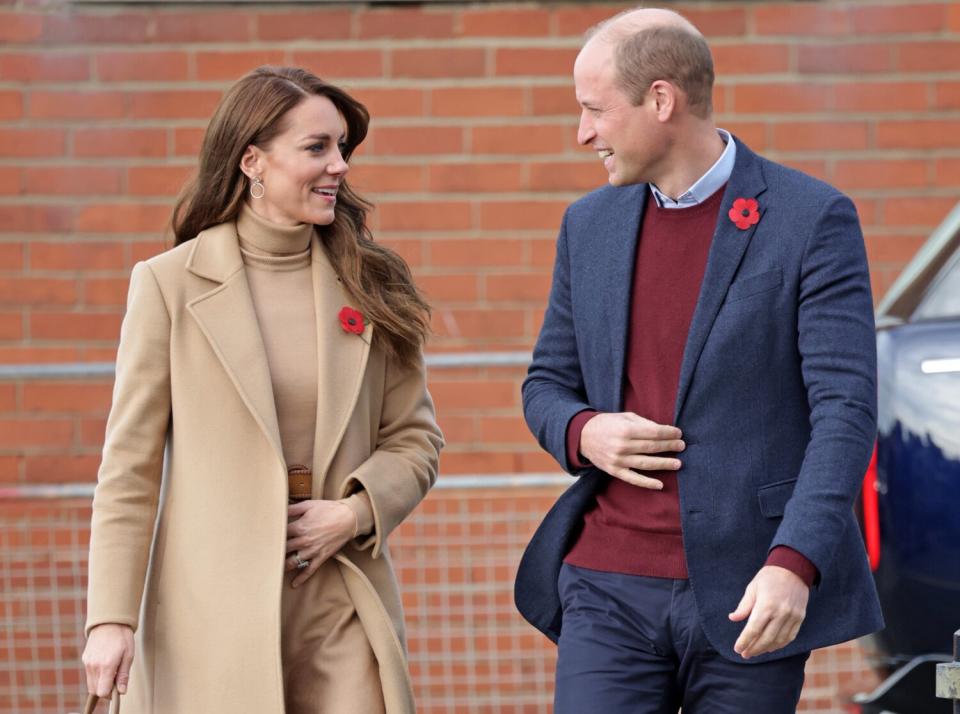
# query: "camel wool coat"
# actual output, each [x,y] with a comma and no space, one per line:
[190,511]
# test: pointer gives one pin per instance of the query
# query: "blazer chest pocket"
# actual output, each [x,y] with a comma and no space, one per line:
[773,497]
[755,284]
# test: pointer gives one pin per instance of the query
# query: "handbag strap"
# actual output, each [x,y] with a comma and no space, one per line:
[93,699]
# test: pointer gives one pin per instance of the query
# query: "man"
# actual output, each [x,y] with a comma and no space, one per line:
[706,367]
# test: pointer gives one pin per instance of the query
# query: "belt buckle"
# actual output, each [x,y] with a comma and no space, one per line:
[299,483]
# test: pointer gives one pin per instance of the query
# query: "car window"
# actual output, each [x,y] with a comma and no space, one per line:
[942,298]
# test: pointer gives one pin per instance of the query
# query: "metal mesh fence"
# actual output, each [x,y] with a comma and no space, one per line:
[456,558]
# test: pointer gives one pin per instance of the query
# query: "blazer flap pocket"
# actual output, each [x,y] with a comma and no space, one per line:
[753,284]
[773,497]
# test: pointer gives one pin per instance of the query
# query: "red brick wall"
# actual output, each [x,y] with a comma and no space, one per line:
[471,160]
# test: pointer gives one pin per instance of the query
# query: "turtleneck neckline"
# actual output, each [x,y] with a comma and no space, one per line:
[262,237]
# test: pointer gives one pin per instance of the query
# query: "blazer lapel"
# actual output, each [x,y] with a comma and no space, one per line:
[341,362]
[227,319]
[726,251]
[612,285]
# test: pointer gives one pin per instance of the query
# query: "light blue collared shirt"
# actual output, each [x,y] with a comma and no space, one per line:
[706,185]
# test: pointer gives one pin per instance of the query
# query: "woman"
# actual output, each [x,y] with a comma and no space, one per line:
[270,427]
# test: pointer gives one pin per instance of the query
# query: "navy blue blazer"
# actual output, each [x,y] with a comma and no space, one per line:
[776,400]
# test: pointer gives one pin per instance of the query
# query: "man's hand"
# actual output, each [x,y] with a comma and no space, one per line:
[624,444]
[776,602]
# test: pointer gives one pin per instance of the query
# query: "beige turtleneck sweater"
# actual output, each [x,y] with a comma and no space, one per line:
[277,261]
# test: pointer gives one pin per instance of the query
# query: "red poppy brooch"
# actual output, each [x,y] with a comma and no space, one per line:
[744,213]
[351,320]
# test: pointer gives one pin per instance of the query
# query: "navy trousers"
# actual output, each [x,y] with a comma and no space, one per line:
[633,645]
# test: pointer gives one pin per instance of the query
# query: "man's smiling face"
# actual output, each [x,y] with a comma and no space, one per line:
[628,139]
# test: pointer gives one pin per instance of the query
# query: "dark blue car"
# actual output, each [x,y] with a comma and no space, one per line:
[911,497]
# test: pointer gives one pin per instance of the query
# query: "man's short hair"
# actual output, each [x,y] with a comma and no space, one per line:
[666,52]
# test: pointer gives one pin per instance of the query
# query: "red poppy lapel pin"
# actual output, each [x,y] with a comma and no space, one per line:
[744,213]
[351,320]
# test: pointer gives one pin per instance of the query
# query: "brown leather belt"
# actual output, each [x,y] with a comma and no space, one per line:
[300,482]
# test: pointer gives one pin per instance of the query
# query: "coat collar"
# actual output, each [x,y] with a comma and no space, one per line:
[341,360]
[726,251]
[226,316]
[616,240]
[216,253]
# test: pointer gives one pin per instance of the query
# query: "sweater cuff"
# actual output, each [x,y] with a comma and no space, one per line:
[797,563]
[359,503]
[574,427]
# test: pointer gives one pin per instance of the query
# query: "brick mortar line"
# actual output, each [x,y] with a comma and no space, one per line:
[74,200]
[69,274]
[319,44]
[501,447]
[587,157]
[453,10]
[448,42]
[124,123]
[832,115]
[15,236]
[474,234]
[867,193]
[94,162]
[382,81]
[850,39]
[428,234]
[482,271]
[876,192]
[522,235]
[551,41]
[420,197]
[467,122]
[487,80]
[932,154]
[101,310]
[455,41]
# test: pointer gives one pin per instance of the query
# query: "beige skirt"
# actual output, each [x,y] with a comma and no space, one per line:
[328,665]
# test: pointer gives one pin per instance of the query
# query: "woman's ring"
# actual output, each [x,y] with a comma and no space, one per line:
[301,564]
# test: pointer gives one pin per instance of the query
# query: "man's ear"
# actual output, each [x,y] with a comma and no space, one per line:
[664,96]
[251,162]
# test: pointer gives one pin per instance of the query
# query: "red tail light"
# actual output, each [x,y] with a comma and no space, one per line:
[871,512]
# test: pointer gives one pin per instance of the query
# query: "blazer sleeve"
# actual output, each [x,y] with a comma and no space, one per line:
[128,483]
[554,391]
[403,467]
[837,346]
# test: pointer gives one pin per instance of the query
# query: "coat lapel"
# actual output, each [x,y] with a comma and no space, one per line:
[726,251]
[341,362]
[613,287]
[227,319]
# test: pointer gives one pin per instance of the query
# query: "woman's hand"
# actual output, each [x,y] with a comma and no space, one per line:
[315,531]
[107,658]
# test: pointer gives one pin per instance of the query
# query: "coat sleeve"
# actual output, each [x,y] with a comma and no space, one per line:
[837,346]
[554,392]
[128,483]
[403,467]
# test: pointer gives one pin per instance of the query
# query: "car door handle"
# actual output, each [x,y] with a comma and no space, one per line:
[940,366]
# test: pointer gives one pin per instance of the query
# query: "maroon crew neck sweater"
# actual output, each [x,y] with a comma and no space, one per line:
[630,529]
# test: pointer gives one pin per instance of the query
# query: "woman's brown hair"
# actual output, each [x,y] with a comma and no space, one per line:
[251,112]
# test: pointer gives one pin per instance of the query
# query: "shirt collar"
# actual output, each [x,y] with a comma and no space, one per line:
[708,184]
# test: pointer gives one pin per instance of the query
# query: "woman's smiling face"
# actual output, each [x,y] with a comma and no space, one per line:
[302,167]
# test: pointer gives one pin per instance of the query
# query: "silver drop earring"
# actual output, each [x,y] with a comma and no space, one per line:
[256,188]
